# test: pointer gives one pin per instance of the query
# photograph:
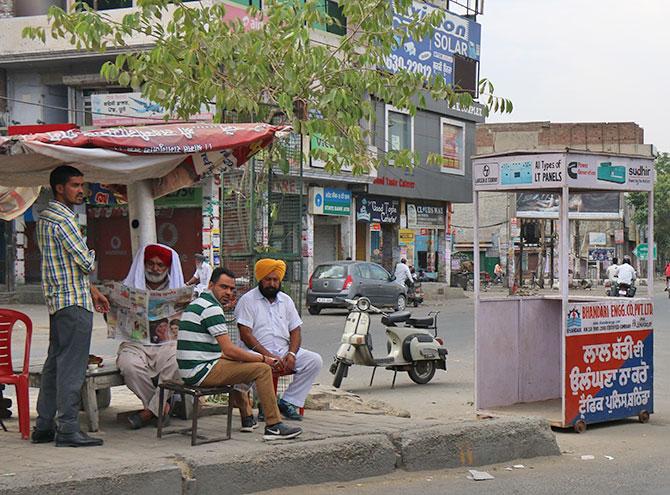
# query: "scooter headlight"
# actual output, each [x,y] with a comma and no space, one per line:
[363,304]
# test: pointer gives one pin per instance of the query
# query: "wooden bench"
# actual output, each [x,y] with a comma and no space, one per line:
[97,380]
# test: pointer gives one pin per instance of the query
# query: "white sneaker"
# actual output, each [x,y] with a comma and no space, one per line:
[280,431]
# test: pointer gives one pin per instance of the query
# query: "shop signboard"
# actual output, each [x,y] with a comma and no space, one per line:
[377,209]
[425,216]
[597,238]
[618,236]
[329,201]
[554,170]
[608,361]
[434,55]
[317,142]
[601,254]
[115,195]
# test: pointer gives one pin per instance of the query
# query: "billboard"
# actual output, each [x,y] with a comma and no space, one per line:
[583,206]
[434,55]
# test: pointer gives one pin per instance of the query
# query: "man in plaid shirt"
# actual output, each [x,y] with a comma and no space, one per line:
[66,265]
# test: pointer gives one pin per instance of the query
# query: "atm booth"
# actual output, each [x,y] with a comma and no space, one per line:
[573,359]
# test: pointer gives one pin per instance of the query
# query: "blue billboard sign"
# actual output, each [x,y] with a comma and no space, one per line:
[434,55]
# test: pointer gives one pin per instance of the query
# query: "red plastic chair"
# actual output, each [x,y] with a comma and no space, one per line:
[8,319]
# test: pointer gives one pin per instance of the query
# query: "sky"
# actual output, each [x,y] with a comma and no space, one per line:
[581,61]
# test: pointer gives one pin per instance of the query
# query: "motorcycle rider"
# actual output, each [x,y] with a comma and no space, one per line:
[403,275]
[626,274]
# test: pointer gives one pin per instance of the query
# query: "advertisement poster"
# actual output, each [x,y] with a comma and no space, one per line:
[144,316]
[406,240]
[609,361]
[453,151]
[582,206]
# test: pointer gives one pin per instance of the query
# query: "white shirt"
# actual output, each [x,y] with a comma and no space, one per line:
[626,274]
[270,322]
[612,272]
[402,273]
[203,274]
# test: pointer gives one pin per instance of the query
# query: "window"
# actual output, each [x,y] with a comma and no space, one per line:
[334,10]
[452,144]
[378,273]
[399,130]
[330,272]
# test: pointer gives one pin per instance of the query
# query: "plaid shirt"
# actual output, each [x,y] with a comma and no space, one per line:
[66,260]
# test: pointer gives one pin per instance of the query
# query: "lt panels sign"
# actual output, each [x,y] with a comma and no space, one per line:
[553,170]
[329,201]
[374,209]
[434,55]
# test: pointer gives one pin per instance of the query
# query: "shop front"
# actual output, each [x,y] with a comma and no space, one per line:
[377,230]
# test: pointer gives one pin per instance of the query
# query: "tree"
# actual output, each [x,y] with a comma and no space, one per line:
[661,206]
[322,88]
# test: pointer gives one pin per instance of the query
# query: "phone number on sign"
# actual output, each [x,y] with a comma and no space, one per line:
[396,62]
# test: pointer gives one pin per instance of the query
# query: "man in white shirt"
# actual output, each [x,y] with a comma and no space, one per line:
[203,272]
[612,270]
[270,325]
[403,273]
[626,274]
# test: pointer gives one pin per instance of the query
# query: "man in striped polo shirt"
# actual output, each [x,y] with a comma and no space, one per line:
[208,357]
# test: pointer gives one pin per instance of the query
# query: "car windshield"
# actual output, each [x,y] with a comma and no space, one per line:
[330,271]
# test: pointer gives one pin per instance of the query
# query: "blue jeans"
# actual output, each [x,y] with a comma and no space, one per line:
[64,371]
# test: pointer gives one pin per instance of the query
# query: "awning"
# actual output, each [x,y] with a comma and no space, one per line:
[172,156]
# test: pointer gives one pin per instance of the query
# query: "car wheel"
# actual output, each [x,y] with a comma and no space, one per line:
[401,302]
[422,372]
[313,310]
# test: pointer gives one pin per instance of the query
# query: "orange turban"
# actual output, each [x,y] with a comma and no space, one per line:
[266,266]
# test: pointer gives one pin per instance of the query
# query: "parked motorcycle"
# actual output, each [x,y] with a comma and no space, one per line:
[414,294]
[413,347]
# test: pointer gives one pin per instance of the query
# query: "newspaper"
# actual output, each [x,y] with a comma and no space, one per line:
[145,316]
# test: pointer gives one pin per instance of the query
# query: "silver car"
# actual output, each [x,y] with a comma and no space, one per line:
[332,283]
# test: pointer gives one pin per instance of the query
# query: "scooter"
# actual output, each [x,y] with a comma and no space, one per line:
[415,294]
[414,347]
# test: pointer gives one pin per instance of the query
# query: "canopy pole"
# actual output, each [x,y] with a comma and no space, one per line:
[141,214]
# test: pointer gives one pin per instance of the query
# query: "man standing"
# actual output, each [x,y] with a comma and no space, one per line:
[269,324]
[208,357]
[70,297]
[155,267]
[403,275]
[203,272]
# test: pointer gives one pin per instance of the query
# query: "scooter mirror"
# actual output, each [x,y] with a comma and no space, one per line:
[363,304]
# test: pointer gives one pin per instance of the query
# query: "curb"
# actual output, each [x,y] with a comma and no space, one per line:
[466,443]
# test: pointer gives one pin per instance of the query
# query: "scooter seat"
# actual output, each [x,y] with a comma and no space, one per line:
[425,322]
[397,317]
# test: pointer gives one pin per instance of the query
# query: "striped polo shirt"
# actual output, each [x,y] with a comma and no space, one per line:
[197,348]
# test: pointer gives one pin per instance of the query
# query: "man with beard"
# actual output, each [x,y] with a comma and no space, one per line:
[155,267]
[270,325]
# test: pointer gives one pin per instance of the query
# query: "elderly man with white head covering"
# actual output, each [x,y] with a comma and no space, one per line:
[269,324]
[155,267]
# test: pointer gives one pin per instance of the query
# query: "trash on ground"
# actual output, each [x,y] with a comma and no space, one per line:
[609,457]
[519,466]
[479,475]
[588,457]
[509,469]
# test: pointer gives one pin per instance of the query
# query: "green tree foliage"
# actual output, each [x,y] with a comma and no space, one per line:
[661,206]
[324,86]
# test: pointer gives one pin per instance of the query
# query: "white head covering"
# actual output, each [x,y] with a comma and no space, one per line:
[137,279]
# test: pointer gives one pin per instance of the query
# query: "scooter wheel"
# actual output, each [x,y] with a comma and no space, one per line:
[340,373]
[422,372]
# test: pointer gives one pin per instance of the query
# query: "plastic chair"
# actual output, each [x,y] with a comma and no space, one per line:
[8,319]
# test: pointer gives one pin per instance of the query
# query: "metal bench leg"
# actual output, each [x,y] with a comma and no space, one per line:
[230,417]
[161,407]
[194,420]
[90,401]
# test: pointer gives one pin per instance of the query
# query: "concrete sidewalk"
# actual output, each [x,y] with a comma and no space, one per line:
[336,446]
